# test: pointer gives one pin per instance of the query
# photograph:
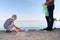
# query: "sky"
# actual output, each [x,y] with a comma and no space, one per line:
[25,9]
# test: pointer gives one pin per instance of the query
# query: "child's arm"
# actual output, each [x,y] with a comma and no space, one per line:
[14,25]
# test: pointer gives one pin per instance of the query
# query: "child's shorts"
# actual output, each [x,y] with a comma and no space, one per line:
[8,27]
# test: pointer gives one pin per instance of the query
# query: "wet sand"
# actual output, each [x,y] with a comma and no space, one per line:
[31,35]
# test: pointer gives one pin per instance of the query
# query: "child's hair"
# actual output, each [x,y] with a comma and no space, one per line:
[14,16]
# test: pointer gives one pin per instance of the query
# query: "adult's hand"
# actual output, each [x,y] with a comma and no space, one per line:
[48,2]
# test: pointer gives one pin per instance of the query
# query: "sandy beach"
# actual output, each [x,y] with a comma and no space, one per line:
[31,35]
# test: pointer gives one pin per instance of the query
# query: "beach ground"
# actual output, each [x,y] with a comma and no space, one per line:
[31,35]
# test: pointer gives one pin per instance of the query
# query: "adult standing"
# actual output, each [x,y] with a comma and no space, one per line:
[49,19]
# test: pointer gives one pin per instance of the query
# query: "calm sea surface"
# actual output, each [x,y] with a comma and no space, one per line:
[26,25]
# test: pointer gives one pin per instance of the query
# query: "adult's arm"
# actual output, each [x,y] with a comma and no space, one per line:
[48,2]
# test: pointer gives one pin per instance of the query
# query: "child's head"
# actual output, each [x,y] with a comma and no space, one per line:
[14,17]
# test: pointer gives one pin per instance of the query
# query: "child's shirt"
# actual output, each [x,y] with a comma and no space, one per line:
[8,22]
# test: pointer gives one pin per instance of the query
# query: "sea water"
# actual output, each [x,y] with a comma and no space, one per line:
[31,25]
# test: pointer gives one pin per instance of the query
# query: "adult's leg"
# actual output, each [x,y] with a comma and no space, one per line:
[48,23]
[50,10]
[47,19]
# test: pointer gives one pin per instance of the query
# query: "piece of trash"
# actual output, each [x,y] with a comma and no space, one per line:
[18,30]
[45,10]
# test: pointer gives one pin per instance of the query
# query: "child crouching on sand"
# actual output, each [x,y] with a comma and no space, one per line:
[9,24]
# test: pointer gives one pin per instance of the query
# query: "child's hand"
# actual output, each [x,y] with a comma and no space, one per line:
[18,29]
[46,3]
